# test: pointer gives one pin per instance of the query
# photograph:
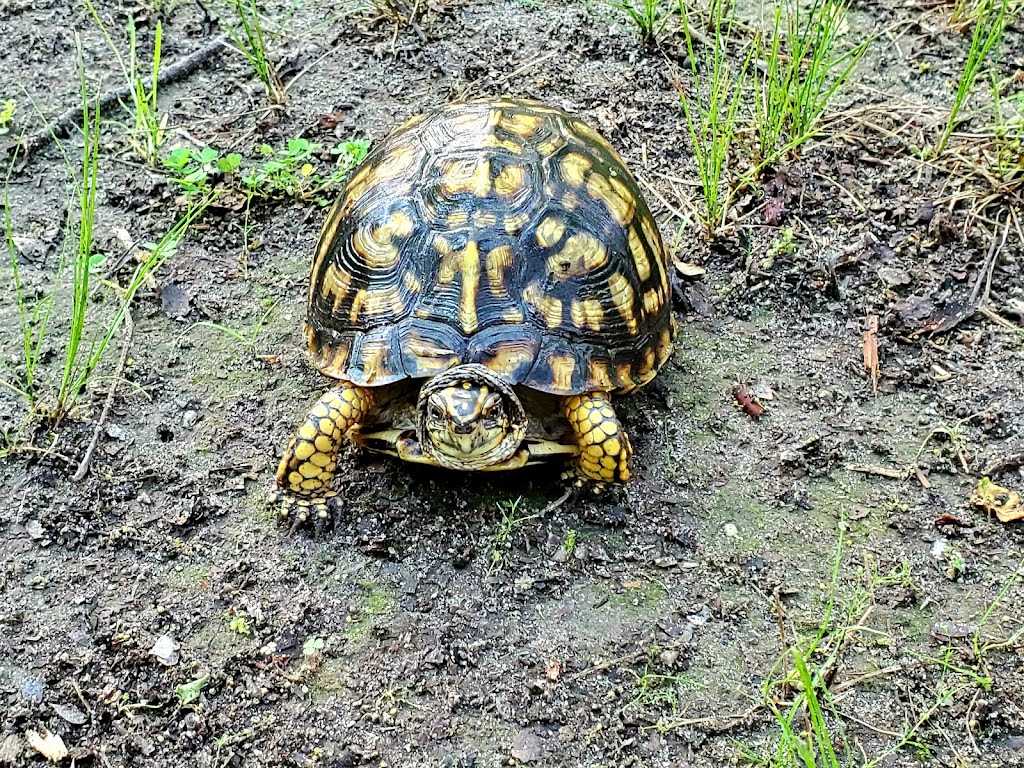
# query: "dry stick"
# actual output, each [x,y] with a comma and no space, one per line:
[72,117]
[129,327]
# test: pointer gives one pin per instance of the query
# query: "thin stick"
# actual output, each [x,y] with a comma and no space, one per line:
[129,327]
[72,117]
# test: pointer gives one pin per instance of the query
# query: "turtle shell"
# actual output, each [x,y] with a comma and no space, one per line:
[498,231]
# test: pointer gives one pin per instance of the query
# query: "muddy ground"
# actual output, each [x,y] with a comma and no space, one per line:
[153,614]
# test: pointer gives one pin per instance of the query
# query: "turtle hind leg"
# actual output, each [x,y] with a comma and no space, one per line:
[307,466]
[605,451]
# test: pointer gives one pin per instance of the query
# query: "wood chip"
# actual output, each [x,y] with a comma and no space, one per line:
[870,347]
[870,469]
[49,745]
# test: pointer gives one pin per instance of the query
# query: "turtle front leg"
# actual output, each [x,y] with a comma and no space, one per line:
[307,466]
[604,447]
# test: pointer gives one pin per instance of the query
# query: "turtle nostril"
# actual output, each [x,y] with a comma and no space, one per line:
[462,429]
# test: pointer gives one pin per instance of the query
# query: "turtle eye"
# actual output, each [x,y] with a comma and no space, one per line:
[492,409]
[435,413]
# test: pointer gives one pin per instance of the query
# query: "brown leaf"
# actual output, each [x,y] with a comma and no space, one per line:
[871,351]
[1007,504]
[748,401]
[689,270]
[331,120]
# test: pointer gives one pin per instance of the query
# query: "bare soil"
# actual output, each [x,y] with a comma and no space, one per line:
[463,620]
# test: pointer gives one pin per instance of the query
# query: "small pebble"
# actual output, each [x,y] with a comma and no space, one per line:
[730,530]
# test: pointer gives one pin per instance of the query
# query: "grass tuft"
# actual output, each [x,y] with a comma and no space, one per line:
[991,20]
[803,72]
[711,114]
[648,16]
[147,134]
[246,32]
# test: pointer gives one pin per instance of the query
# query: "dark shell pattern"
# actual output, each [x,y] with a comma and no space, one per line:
[498,231]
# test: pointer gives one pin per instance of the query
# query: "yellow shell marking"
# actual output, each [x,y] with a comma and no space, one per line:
[652,301]
[636,247]
[400,160]
[375,246]
[622,297]
[513,224]
[582,253]
[467,176]
[430,357]
[357,305]
[510,181]
[522,125]
[664,346]
[509,355]
[498,261]
[654,241]
[562,367]
[548,147]
[457,219]
[373,361]
[587,314]
[410,281]
[584,130]
[386,301]
[549,307]
[574,168]
[620,207]
[549,232]
[599,376]
[494,142]
[466,263]
[484,219]
[624,376]
[570,201]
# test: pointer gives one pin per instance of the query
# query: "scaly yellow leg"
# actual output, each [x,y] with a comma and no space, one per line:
[307,466]
[604,446]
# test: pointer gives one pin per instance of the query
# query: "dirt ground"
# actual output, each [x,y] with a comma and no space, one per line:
[153,614]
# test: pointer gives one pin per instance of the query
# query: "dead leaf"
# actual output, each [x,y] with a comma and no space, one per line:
[49,745]
[689,270]
[748,401]
[1007,504]
[331,120]
[871,351]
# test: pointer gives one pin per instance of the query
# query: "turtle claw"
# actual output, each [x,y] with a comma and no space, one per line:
[294,512]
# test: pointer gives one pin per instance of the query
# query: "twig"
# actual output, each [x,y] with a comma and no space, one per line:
[129,327]
[869,469]
[996,466]
[73,116]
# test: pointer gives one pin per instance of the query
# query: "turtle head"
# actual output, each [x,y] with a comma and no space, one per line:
[469,418]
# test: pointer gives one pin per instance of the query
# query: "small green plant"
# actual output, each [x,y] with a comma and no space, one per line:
[247,339]
[569,545]
[991,21]
[648,16]
[189,692]
[7,109]
[239,623]
[803,74]
[502,538]
[246,32]
[711,116]
[192,169]
[147,134]
[288,172]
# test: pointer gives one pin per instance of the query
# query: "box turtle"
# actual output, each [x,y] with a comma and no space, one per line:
[488,277]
